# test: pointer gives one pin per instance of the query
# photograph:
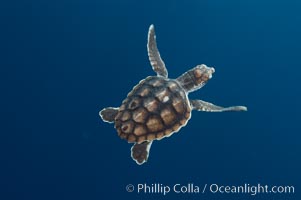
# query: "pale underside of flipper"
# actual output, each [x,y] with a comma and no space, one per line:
[140,152]
[154,55]
[108,114]
[209,107]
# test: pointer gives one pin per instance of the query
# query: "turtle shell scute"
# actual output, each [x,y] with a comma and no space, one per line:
[155,108]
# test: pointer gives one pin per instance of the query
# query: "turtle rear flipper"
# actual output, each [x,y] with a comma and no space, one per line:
[140,152]
[108,114]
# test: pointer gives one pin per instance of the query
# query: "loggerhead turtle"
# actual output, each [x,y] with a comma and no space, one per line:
[159,106]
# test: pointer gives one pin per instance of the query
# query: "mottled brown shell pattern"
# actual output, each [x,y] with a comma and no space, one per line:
[155,108]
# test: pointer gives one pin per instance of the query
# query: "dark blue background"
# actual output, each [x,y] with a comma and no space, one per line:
[62,61]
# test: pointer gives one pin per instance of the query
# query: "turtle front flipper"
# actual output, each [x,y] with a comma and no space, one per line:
[154,55]
[209,107]
[140,152]
[108,114]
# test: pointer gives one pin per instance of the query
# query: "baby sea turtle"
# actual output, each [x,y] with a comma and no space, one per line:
[159,106]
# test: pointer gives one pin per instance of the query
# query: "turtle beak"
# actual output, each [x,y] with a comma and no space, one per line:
[210,72]
[204,70]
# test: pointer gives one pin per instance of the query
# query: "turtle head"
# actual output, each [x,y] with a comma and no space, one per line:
[196,77]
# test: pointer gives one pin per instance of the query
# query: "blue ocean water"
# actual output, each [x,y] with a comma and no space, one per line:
[63,61]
